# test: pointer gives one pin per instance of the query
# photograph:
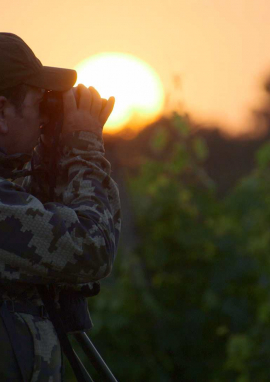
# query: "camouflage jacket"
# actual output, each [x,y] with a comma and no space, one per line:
[70,241]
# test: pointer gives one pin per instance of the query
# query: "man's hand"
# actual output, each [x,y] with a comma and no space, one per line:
[91,113]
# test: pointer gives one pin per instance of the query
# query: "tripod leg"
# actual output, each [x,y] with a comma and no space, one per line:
[84,371]
[94,357]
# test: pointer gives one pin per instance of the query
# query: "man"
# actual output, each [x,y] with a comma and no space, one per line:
[68,240]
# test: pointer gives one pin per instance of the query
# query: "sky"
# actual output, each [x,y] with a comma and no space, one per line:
[212,56]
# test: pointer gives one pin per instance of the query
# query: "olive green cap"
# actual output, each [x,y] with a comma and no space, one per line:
[19,65]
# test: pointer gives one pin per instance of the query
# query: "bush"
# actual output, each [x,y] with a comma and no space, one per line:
[191,301]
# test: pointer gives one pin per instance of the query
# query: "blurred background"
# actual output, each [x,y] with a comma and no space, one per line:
[189,143]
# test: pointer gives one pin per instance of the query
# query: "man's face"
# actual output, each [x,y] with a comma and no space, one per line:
[20,129]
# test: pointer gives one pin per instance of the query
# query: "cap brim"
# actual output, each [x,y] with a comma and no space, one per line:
[50,78]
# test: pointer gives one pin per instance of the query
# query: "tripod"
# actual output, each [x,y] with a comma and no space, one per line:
[95,358]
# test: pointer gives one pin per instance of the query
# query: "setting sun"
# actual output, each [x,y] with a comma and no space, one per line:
[137,89]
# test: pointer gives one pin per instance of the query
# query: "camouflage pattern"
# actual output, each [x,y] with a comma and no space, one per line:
[70,241]
[41,348]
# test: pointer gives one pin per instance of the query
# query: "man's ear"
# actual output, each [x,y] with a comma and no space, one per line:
[3,122]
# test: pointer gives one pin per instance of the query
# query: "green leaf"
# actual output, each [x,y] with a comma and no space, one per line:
[160,139]
[200,148]
[180,123]
[263,156]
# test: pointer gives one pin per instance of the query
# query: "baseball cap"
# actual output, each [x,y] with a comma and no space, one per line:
[19,65]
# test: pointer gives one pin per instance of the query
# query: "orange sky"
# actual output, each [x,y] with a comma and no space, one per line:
[219,48]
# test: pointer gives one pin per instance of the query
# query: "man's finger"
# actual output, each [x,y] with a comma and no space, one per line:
[85,97]
[104,102]
[69,101]
[105,113]
[96,102]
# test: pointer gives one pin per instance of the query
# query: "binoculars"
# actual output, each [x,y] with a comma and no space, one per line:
[52,107]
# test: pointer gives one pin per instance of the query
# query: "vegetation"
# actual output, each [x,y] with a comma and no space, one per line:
[191,301]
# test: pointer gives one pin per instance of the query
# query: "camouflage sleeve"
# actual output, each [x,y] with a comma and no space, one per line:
[73,239]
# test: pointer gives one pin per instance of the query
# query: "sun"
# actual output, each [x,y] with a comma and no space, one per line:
[137,88]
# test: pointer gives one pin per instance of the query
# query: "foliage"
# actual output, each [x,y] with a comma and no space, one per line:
[191,301]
